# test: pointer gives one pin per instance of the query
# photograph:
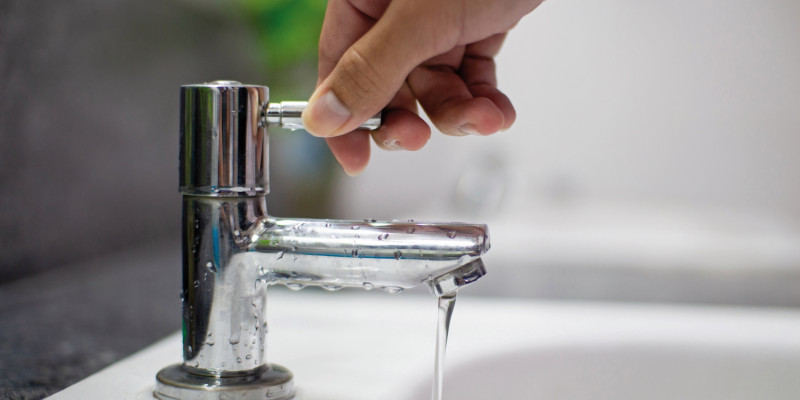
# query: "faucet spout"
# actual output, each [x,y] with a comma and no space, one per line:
[392,255]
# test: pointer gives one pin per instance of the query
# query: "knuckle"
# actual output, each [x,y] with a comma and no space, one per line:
[360,79]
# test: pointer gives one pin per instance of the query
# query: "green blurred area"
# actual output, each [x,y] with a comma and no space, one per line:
[288,34]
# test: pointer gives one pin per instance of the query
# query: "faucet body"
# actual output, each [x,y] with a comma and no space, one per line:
[232,249]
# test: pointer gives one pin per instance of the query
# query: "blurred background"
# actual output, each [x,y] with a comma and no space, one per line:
[654,159]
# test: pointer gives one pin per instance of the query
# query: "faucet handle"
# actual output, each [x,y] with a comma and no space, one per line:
[288,115]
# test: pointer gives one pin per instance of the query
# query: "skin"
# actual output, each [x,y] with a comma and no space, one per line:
[391,55]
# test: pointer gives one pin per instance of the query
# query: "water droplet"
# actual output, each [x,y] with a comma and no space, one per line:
[411,230]
[233,340]
[249,356]
[196,283]
[397,254]
[295,286]
[190,349]
[368,286]
[209,334]
[237,233]
[327,224]
[354,252]
[331,288]
[210,343]
[411,221]
[357,236]
[279,255]
[392,289]
[355,227]
[372,220]
[239,360]
[261,270]
[452,234]
[295,259]
[383,236]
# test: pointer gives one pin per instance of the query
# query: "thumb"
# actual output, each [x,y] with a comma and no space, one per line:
[366,77]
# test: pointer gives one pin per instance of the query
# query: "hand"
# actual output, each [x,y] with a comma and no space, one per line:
[382,53]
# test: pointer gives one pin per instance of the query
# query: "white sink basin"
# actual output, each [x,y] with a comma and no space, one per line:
[363,345]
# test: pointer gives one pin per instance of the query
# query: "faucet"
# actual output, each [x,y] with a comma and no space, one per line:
[233,249]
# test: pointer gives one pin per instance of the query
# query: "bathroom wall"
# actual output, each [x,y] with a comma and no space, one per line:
[655,147]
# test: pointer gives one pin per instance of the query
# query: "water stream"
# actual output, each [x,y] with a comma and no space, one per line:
[446,305]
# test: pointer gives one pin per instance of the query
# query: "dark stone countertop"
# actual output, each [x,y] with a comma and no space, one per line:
[63,325]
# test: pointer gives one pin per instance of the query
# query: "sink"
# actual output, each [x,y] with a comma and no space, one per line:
[370,345]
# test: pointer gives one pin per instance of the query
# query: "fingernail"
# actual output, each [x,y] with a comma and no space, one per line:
[325,115]
[468,129]
[392,144]
[353,173]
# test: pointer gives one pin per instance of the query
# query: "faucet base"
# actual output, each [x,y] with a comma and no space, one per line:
[176,383]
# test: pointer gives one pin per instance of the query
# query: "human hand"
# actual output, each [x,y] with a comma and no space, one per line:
[376,54]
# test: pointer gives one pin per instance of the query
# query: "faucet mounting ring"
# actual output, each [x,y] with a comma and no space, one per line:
[175,382]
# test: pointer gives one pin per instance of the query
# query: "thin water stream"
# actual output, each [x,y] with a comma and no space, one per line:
[446,305]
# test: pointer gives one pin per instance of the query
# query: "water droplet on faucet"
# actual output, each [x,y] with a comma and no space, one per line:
[196,283]
[279,255]
[383,236]
[234,340]
[397,254]
[392,289]
[355,227]
[368,286]
[452,234]
[295,286]
[331,288]
[411,230]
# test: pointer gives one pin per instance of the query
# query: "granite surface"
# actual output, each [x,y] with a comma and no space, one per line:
[63,325]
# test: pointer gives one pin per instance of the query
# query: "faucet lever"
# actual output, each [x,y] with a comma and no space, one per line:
[289,115]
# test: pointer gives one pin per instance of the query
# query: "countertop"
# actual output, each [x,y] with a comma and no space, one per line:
[63,325]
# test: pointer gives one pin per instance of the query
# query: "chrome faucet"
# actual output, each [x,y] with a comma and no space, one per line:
[232,249]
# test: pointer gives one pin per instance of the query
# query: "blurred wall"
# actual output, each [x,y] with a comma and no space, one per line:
[89,123]
[654,157]
[685,104]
